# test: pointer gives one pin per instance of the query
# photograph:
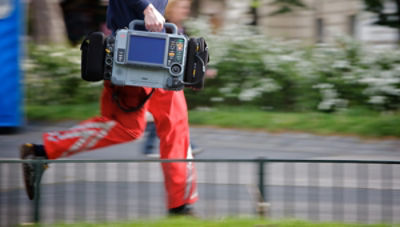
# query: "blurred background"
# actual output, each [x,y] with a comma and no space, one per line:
[327,69]
[311,21]
[278,56]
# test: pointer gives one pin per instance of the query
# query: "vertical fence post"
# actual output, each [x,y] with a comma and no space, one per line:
[38,171]
[261,177]
[262,206]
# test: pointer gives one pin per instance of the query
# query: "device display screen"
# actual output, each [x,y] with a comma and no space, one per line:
[146,49]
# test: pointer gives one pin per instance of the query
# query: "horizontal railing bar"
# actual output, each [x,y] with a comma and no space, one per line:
[201,160]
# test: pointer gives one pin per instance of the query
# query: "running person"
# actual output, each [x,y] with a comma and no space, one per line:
[115,126]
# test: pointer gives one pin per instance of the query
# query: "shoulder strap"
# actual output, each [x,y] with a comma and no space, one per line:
[127,108]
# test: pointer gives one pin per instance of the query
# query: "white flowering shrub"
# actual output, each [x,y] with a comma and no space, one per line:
[285,75]
[252,69]
[52,76]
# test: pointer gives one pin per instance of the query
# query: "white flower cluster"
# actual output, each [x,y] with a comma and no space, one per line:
[334,76]
[255,69]
[52,75]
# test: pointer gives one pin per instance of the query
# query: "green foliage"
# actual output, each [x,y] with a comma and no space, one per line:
[284,75]
[286,6]
[385,15]
[252,70]
[375,6]
[52,76]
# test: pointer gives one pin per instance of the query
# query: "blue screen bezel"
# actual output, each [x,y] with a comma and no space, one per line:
[146,50]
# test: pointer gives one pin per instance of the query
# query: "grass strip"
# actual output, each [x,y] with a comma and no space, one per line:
[62,112]
[228,222]
[362,123]
[351,122]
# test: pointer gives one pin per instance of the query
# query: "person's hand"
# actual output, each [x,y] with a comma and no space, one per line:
[211,73]
[153,19]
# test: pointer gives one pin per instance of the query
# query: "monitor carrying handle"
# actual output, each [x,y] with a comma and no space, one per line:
[171,26]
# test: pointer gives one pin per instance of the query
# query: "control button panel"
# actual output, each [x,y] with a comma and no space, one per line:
[175,51]
[121,55]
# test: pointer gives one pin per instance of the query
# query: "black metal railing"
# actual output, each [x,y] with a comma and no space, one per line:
[111,190]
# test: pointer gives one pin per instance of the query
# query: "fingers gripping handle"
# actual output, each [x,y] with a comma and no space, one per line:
[134,23]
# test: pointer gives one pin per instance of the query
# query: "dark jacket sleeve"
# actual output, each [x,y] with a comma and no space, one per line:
[140,5]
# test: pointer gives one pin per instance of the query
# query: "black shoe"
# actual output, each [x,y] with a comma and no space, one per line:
[184,210]
[27,151]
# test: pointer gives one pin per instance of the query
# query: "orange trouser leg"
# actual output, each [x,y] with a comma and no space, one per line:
[116,126]
[170,116]
[113,127]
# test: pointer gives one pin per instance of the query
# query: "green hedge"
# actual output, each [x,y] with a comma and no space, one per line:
[285,75]
[52,76]
[252,70]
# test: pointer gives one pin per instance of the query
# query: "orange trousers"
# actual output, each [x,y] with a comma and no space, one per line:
[116,126]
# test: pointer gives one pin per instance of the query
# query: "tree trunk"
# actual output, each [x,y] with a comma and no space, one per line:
[48,22]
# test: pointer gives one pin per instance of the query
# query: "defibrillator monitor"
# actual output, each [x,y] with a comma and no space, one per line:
[149,59]
[145,59]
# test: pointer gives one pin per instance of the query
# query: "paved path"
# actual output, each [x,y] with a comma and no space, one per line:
[131,190]
[227,143]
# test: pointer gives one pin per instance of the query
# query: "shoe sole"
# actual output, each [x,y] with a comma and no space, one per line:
[27,169]
[26,152]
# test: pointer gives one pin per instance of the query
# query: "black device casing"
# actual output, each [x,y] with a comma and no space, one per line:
[93,57]
[196,62]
